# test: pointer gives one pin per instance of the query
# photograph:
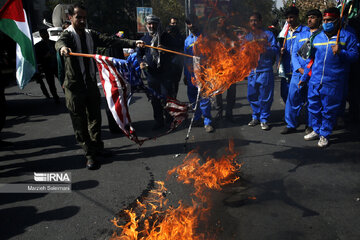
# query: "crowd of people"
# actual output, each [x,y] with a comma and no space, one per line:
[316,63]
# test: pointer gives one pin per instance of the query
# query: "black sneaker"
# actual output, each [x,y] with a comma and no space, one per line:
[287,130]
[92,163]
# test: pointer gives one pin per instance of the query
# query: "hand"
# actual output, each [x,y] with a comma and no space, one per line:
[301,70]
[140,43]
[64,51]
[282,50]
[143,65]
[301,83]
[335,49]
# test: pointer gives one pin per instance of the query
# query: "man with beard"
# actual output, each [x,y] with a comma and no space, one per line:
[297,96]
[82,95]
[154,65]
[204,107]
[330,71]
[261,79]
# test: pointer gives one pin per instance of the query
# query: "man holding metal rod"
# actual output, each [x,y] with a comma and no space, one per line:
[81,92]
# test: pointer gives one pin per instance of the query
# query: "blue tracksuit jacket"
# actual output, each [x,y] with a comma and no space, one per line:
[297,97]
[261,79]
[327,82]
[291,38]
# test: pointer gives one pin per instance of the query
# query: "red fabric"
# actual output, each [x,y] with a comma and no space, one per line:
[13,9]
[333,15]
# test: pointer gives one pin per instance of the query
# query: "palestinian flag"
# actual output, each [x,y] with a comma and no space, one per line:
[14,23]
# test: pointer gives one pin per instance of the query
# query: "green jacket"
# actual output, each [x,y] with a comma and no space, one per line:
[73,77]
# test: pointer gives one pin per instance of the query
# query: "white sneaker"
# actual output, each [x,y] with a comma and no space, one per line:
[264,126]
[311,136]
[208,128]
[323,142]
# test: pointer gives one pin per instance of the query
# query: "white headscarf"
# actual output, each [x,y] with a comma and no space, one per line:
[90,47]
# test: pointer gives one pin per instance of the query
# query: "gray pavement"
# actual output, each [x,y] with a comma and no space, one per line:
[289,188]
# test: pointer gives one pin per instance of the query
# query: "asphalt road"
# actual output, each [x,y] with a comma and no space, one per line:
[288,188]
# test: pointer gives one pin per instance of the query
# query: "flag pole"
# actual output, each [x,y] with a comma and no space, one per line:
[158,48]
[82,55]
[283,45]
[170,51]
[341,18]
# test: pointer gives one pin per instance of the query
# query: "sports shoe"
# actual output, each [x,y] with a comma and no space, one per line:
[208,128]
[253,122]
[287,130]
[323,142]
[311,136]
[264,126]
[308,130]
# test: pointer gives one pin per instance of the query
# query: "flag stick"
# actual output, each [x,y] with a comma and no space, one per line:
[170,51]
[82,55]
[283,46]
[158,48]
[341,18]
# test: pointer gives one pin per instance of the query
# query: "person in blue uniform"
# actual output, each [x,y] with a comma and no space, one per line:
[261,79]
[330,71]
[297,97]
[295,28]
[204,107]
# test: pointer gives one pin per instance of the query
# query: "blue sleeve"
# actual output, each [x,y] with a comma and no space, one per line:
[273,46]
[350,53]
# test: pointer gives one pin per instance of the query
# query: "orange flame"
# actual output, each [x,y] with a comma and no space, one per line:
[213,174]
[154,220]
[224,64]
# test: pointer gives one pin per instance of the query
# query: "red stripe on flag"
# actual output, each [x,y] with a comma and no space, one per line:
[13,9]
[114,92]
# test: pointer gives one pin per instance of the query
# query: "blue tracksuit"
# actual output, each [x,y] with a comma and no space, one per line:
[297,97]
[287,61]
[261,79]
[327,82]
[205,104]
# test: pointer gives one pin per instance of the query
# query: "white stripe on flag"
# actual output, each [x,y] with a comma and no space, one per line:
[24,26]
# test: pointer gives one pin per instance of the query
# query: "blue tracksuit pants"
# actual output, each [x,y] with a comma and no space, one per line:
[204,107]
[324,106]
[261,94]
[296,99]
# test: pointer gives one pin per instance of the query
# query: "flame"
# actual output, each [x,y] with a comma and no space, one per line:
[213,174]
[152,219]
[224,63]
